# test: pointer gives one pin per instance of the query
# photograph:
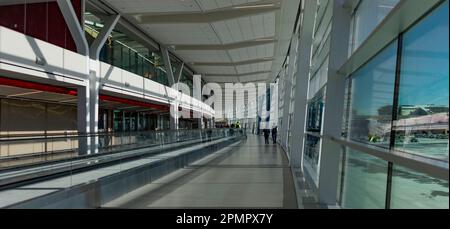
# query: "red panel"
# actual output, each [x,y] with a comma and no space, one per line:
[36,21]
[43,21]
[36,86]
[67,91]
[133,102]
[57,32]
[13,17]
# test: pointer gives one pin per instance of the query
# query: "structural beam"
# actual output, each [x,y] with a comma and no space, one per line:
[73,23]
[204,17]
[232,64]
[302,81]
[224,47]
[238,75]
[98,43]
[334,100]
[179,73]
[168,65]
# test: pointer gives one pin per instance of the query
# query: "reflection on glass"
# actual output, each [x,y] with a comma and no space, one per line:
[312,153]
[364,182]
[422,125]
[345,118]
[118,121]
[372,97]
[124,52]
[368,15]
[413,190]
[315,112]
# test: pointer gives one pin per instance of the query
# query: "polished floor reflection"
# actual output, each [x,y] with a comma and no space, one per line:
[244,175]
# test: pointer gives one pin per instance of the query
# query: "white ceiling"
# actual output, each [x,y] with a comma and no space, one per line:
[273,19]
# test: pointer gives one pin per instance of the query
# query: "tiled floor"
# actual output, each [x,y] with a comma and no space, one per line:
[246,175]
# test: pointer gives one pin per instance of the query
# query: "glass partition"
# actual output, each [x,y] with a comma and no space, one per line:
[124,52]
[17,152]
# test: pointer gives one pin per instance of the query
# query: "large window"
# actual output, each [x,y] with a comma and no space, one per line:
[364,181]
[314,128]
[315,112]
[410,116]
[367,16]
[372,96]
[422,125]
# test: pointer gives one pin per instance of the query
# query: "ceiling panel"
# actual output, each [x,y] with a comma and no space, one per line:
[183,33]
[219,79]
[277,24]
[246,28]
[216,70]
[204,56]
[252,78]
[255,52]
[257,67]
[155,6]
[214,4]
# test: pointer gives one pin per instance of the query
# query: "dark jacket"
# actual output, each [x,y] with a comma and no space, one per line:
[274,131]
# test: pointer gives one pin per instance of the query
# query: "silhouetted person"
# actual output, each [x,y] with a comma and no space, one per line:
[266,135]
[274,135]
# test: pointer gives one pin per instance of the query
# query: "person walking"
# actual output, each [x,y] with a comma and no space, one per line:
[266,136]
[274,135]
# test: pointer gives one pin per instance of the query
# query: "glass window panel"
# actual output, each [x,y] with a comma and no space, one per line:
[125,58]
[315,113]
[413,190]
[345,119]
[311,155]
[364,182]
[118,121]
[368,15]
[372,97]
[422,127]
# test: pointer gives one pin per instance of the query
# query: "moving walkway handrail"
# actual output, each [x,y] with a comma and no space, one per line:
[28,137]
[83,162]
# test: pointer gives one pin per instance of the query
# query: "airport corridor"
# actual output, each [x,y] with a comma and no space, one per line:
[248,174]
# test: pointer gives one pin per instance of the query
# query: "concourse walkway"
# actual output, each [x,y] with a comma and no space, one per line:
[248,174]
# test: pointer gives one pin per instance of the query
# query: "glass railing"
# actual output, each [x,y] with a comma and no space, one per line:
[29,157]
[145,63]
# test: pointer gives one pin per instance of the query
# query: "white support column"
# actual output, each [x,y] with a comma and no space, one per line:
[302,81]
[280,101]
[174,116]
[168,65]
[83,110]
[170,76]
[94,76]
[197,94]
[83,119]
[287,85]
[288,92]
[334,103]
